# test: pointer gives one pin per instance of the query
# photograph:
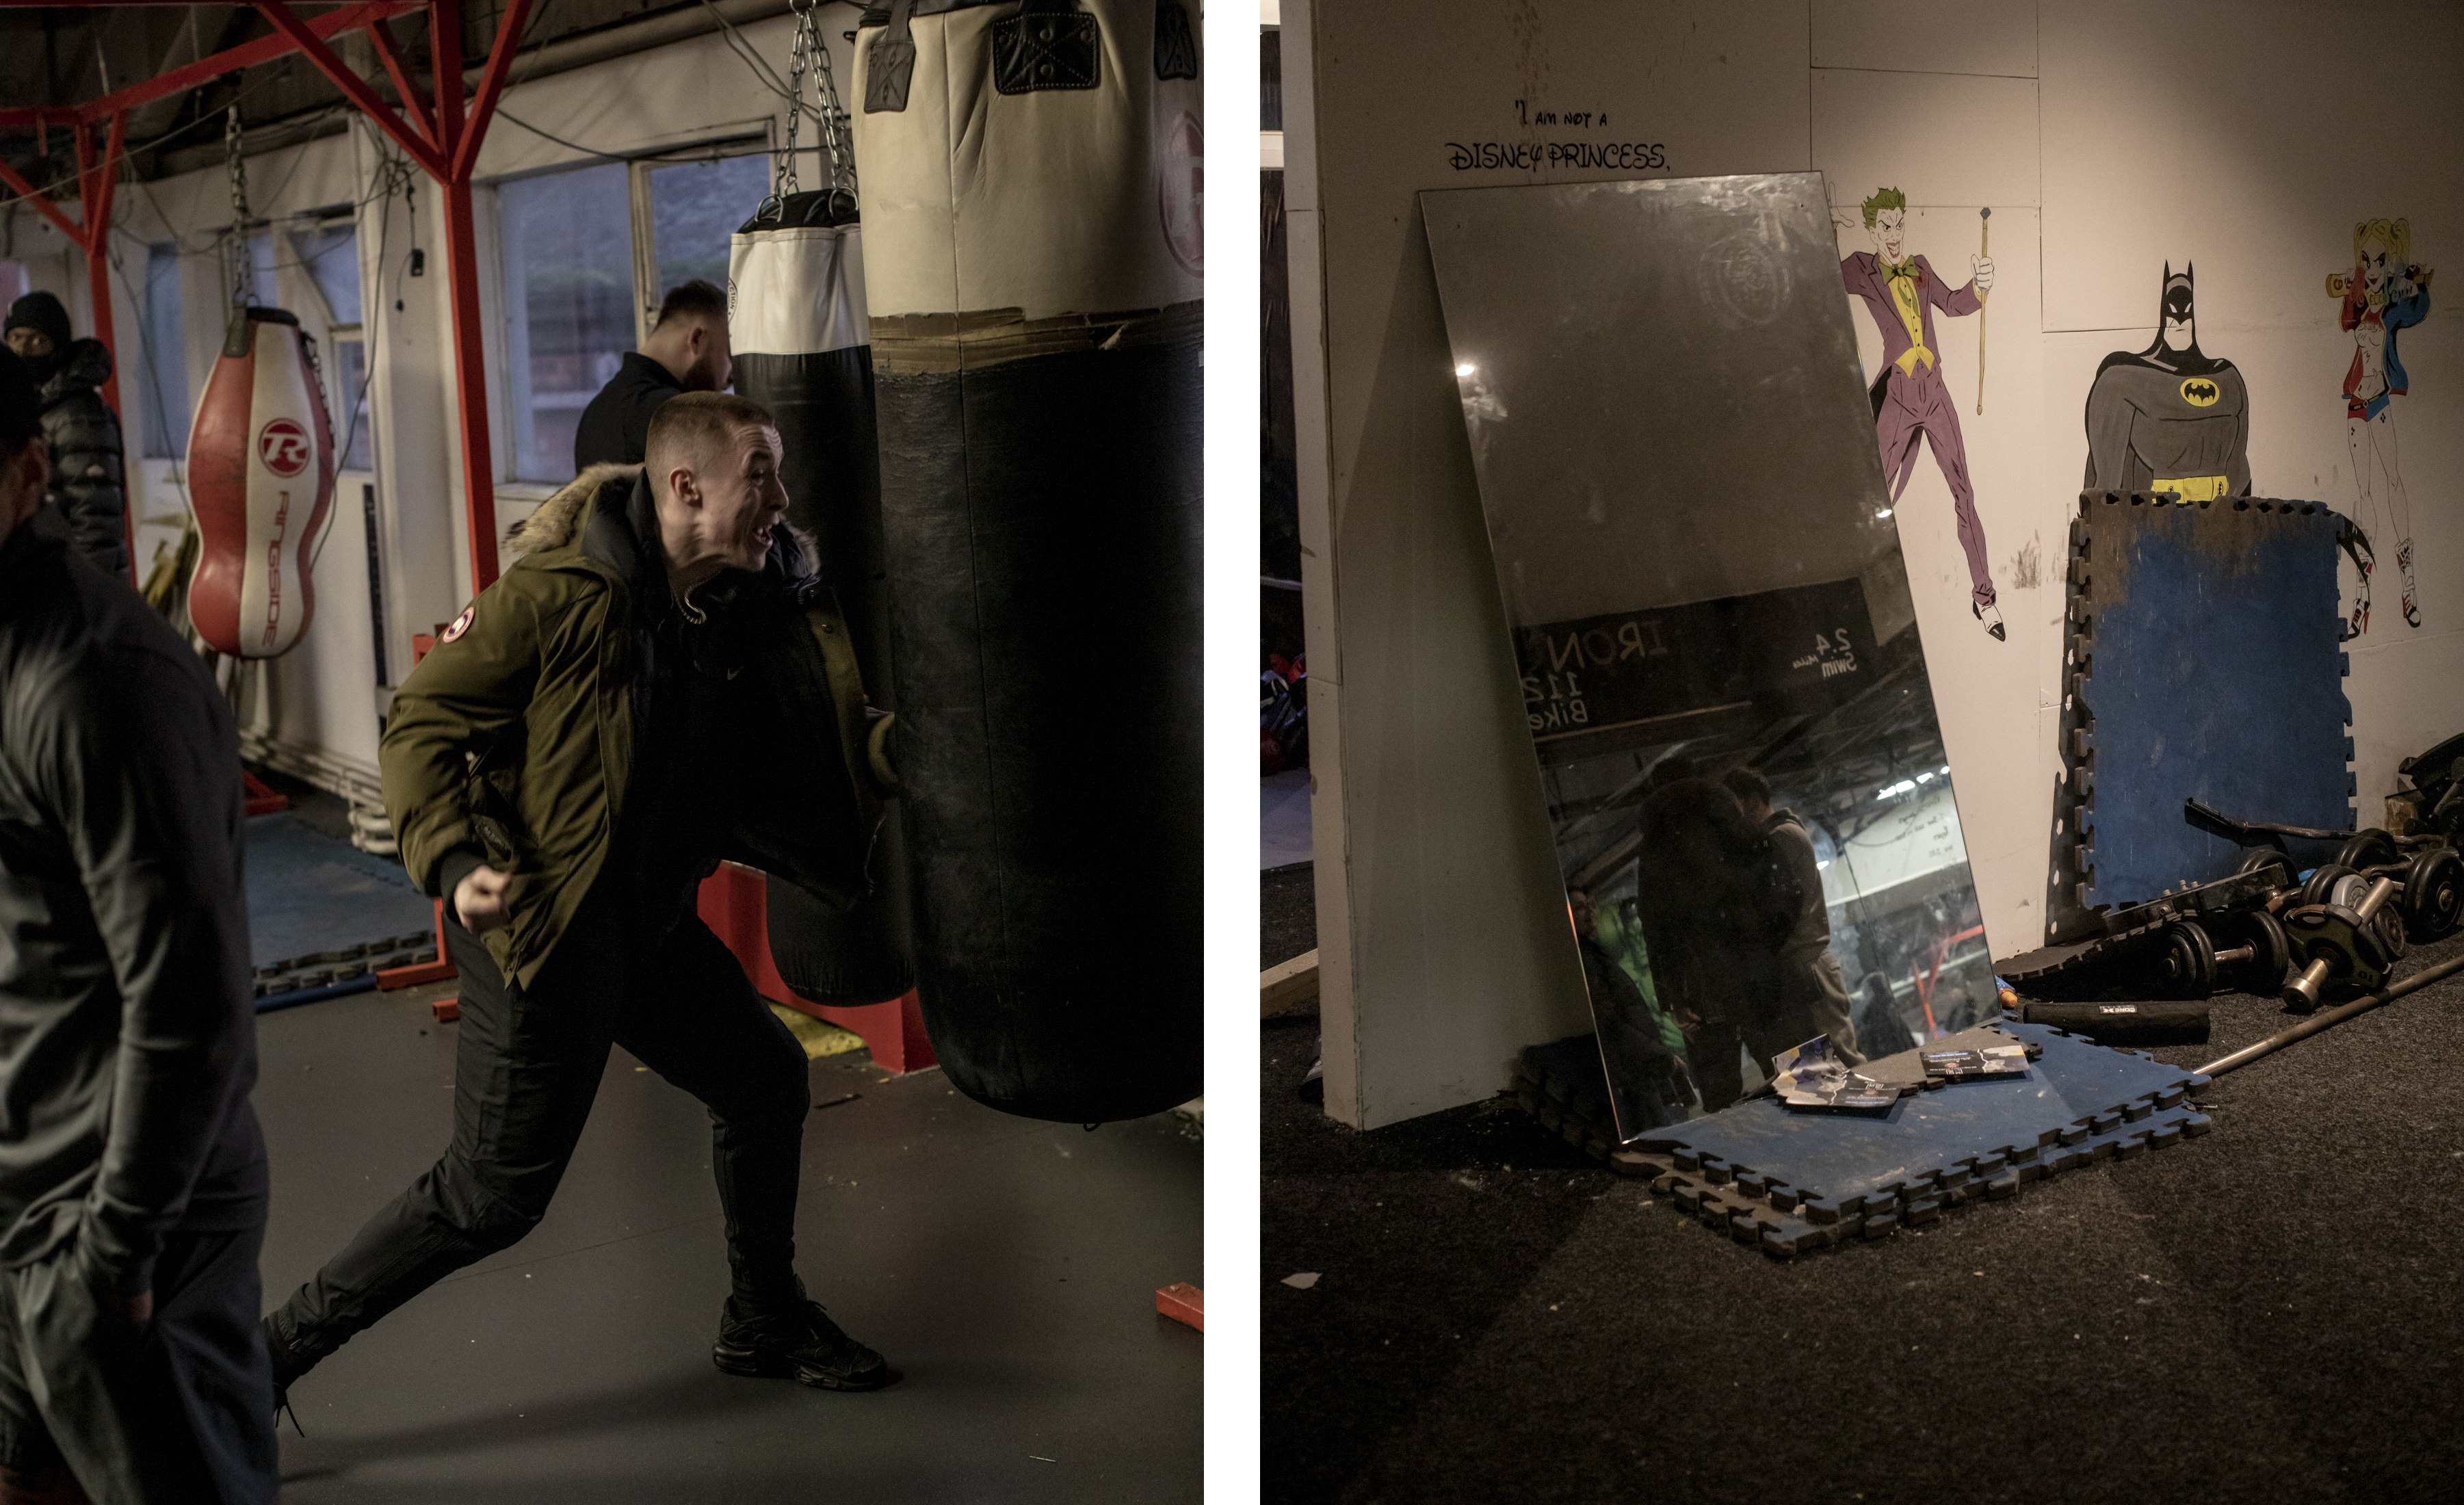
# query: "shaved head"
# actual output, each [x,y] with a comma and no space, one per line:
[694,428]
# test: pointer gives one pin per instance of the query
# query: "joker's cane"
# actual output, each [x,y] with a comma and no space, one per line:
[1984,237]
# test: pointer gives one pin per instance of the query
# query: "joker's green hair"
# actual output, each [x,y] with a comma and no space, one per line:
[1883,199]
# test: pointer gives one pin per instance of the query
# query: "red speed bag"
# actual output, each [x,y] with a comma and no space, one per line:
[260,477]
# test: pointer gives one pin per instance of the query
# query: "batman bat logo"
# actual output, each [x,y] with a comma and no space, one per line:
[2200,392]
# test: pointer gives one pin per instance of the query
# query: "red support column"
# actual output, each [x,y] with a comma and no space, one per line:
[471,381]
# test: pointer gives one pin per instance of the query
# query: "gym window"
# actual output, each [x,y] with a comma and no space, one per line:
[587,254]
[164,373]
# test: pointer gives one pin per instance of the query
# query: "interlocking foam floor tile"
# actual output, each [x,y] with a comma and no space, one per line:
[309,897]
[1787,1182]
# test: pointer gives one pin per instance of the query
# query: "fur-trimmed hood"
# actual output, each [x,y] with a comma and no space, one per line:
[557,520]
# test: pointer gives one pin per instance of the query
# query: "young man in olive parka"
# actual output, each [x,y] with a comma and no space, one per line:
[634,699]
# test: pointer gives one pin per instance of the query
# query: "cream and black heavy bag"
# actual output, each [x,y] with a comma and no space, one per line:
[796,320]
[1031,174]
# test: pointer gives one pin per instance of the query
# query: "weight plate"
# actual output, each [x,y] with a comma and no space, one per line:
[2366,847]
[2186,967]
[2259,859]
[2319,887]
[2271,958]
[2433,896]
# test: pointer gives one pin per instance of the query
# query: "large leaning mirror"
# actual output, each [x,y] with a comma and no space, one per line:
[1676,450]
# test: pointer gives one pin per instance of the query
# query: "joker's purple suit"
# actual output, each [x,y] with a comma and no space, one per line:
[1917,402]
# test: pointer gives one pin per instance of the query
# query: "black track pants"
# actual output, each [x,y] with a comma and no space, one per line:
[529,1064]
[178,1410]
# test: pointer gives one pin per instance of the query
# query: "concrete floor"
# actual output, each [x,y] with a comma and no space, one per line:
[1005,1266]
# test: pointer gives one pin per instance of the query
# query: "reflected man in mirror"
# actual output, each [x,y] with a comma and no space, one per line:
[1716,904]
[1819,1003]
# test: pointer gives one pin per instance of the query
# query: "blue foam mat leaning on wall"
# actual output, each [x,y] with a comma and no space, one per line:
[2204,662]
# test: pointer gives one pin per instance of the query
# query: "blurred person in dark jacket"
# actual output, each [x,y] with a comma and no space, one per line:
[1716,903]
[687,351]
[88,464]
[132,1174]
[1819,994]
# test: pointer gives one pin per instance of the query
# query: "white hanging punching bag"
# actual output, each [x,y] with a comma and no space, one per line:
[803,345]
[260,477]
[1031,182]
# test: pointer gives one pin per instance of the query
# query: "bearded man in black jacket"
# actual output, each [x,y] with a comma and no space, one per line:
[132,1175]
[88,480]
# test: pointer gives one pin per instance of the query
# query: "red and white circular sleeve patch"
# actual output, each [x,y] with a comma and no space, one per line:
[461,624]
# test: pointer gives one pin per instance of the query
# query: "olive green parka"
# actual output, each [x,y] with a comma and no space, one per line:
[513,739]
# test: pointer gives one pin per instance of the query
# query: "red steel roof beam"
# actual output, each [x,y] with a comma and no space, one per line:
[415,102]
[445,50]
[31,195]
[247,55]
[491,86]
[354,88]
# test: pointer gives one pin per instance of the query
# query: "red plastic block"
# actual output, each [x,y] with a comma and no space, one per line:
[1183,1302]
[446,1009]
[733,901]
[261,800]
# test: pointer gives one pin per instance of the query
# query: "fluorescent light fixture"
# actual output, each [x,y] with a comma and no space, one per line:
[1466,369]
[1885,513]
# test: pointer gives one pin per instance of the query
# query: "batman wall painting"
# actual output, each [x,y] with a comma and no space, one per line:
[2170,417]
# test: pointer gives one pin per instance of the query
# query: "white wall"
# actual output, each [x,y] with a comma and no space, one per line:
[2106,138]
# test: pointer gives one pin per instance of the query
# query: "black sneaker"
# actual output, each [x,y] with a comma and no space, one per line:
[797,1339]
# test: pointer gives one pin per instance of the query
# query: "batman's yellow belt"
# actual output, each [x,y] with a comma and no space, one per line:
[2194,488]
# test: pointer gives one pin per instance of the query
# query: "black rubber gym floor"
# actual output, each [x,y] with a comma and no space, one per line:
[1006,1267]
[2268,1312]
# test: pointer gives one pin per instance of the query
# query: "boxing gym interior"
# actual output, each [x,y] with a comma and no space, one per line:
[1859,754]
[350,278]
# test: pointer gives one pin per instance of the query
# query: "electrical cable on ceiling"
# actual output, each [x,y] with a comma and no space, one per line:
[128,151]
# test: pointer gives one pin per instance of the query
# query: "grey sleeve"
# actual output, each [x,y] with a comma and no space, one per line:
[141,767]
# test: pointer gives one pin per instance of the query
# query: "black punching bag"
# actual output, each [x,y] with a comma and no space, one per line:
[796,320]
[1031,176]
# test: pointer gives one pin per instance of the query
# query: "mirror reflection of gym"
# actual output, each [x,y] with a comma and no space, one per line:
[1702,578]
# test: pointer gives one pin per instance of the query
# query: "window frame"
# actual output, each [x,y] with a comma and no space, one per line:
[505,421]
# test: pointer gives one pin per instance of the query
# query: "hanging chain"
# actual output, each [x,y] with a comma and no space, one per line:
[786,175]
[811,52]
[241,282]
[835,132]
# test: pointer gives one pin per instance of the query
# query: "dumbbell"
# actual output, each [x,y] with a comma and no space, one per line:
[2191,965]
[2343,944]
[2433,902]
